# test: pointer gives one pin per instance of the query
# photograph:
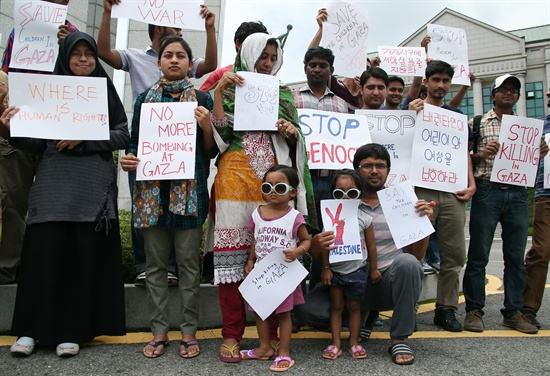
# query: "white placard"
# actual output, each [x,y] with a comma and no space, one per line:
[403,61]
[171,13]
[394,129]
[36,24]
[440,150]
[270,282]
[345,33]
[167,141]
[517,159]
[257,102]
[332,138]
[546,167]
[59,107]
[450,45]
[406,226]
[340,216]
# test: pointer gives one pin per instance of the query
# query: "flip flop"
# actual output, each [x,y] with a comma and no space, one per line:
[275,366]
[186,345]
[231,350]
[357,349]
[155,344]
[249,355]
[400,349]
[332,350]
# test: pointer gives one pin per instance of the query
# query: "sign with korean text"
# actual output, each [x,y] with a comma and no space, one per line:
[36,24]
[402,61]
[440,150]
[332,138]
[59,107]
[340,216]
[517,159]
[394,129]
[167,141]
[170,13]
[450,45]
[257,103]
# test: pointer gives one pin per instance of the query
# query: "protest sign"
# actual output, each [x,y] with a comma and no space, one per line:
[167,141]
[440,150]
[340,216]
[546,167]
[257,102]
[36,24]
[402,61]
[394,129]
[345,33]
[270,282]
[171,13]
[59,107]
[406,226]
[332,138]
[517,159]
[450,45]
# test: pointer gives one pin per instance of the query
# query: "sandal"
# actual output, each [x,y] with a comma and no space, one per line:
[275,366]
[232,350]
[155,344]
[400,349]
[333,350]
[357,349]
[249,355]
[366,330]
[186,345]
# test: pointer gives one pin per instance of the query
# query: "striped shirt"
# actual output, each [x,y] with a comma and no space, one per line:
[305,98]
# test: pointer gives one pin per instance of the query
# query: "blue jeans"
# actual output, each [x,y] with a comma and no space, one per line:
[510,207]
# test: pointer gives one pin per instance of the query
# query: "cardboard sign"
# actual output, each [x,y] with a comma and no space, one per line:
[440,150]
[167,141]
[257,102]
[395,130]
[345,33]
[332,138]
[406,226]
[170,13]
[402,61]
[546,167]
[450,45]
[340,216]
[517,159]
[36,24]
[59,107]
[270,282]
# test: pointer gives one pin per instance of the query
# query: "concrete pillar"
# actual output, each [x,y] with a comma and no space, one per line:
[478,96]
[521,106]
[547,75]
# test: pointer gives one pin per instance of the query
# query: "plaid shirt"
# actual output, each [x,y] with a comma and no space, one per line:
[9,46]
[202,170]
[305,98]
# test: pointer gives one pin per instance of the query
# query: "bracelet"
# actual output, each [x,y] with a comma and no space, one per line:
[251,261]
[326,267]
[303,250]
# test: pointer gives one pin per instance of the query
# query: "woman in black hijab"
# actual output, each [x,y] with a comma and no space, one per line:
[70,284]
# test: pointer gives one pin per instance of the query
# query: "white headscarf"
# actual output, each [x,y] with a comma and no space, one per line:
[252,48]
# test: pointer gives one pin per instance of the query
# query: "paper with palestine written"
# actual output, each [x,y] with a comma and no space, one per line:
[340,216]
[270,282]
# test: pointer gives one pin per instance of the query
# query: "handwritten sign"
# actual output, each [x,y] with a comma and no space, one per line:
[270,282]
[546,167]
[517,159]
[440,150]
[450,45]
[395,130]
[59,107]
[257,102]
[167,141]
[406,226]
[332,138]
[170,13]
[35,34]
[345,33]
[402,61]
[340,216]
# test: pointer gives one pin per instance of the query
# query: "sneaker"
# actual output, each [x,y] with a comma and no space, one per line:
[446,318]
[473,322]
[532,318]
[435,265]
[172,279]
[67,349]
[379,321]
[520,323]
[140,279]
[427,268]
[25,348]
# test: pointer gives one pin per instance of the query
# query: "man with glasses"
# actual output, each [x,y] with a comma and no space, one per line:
[493,203]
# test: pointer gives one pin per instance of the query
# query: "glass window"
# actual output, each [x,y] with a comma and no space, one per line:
[535,103]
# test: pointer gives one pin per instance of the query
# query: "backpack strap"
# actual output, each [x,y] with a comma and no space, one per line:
[476,131]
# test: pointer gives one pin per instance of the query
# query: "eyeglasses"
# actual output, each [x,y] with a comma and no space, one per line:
[504,90]
[279,188]
[369,166]
[352,194]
